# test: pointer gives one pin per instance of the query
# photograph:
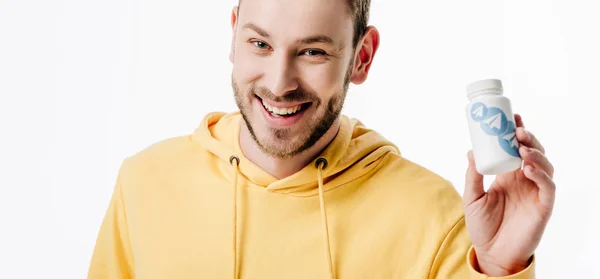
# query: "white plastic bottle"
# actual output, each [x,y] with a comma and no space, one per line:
[492,127]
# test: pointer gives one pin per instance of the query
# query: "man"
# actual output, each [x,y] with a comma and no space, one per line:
[289,188]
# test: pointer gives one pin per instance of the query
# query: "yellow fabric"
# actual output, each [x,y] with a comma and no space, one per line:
[320,167]
[234,161]
[373,212]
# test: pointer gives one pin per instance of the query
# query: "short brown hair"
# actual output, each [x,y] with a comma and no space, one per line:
[359,9]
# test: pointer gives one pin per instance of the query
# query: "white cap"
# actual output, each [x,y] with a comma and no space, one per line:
[486,85]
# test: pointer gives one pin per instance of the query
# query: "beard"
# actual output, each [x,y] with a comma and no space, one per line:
[284,143]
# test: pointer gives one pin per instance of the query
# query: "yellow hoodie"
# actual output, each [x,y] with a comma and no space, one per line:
[195,207]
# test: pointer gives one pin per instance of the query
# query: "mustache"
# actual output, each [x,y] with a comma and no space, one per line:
[298,95]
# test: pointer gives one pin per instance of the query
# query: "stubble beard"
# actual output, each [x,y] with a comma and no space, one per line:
[282,144]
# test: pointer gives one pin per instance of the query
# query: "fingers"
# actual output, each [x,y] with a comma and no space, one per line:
[528,139]
[519,120]
[544,183]
[473,183]
[537,167]
[536,158]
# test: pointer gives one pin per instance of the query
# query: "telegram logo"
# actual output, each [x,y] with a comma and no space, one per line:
[508,141]
[478,112]
[493,122]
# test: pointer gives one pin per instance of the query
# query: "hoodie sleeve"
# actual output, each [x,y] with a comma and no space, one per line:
[112,257]
[456,258]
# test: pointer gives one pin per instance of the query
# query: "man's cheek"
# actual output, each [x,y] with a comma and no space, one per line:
[323,80]
[248,69]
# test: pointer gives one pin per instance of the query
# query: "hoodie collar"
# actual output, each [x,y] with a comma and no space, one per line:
[354,151]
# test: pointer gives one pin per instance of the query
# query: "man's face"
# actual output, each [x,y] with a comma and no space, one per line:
[292,61]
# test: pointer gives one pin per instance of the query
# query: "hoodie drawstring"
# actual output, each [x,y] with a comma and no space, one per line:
[321,164]
[235,180]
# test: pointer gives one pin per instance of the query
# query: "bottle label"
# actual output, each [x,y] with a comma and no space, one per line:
[493,122]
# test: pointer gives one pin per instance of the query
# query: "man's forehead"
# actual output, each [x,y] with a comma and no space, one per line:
[297,18]
[323,4]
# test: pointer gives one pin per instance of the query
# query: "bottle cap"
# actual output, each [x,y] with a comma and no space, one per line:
[484,86]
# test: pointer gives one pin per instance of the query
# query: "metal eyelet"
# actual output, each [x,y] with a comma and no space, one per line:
[237,160]
[321,161]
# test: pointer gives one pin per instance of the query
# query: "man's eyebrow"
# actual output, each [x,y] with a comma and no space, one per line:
[256,29]
[316,39]
[308,40]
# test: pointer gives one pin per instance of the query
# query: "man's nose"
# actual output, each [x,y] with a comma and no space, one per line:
[282,75]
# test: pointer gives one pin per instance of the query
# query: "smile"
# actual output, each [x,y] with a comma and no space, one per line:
[284,111]
[283,115]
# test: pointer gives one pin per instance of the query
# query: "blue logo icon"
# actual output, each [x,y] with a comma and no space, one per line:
[493,122]
[508,141]
[478,112]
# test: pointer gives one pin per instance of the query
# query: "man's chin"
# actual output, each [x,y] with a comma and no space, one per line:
[277,146]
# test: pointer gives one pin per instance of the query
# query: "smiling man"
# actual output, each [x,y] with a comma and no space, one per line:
[289,188]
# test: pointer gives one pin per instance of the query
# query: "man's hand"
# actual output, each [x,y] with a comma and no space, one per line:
[506,223]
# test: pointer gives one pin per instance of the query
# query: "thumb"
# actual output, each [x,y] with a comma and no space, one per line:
[473,182]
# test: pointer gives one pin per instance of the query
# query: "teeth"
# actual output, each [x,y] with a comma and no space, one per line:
[282,111]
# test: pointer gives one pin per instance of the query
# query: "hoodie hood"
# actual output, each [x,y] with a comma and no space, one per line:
[354,152]
[195,207]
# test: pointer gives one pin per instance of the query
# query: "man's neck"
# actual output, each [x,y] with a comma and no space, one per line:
[281,168]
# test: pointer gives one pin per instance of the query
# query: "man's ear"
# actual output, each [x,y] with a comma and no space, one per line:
[234,18]
[366,50]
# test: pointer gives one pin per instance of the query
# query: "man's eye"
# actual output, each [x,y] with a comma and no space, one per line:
[314,52]
[261,45]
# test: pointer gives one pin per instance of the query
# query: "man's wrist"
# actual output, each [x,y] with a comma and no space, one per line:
[490,268]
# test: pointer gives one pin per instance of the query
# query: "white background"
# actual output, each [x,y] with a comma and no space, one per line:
[83,84]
